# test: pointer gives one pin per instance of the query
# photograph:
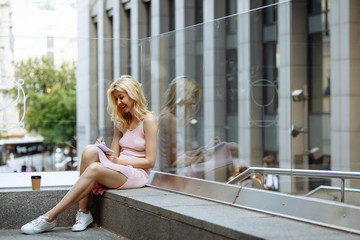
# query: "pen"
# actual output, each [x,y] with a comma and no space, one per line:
[101,138]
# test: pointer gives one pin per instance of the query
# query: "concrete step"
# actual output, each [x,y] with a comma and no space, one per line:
[151,213]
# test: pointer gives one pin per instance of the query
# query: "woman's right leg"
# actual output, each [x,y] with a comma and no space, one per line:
[90,155]
[96,172]
[91,172]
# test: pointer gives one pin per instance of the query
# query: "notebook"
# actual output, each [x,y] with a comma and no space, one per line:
[104,148]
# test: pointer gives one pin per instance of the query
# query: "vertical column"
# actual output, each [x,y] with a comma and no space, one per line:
[159,24]
[185,55]
[284,92]
[180,47]
[104,69]
[292,75]
[243,36]
[214,75]
[86,85]
[185,40]
[250,82]
[256,110]
[138,31]
[299,73]
[120,40]
[345,87]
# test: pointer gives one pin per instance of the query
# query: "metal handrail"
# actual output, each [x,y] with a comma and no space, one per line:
[342,175]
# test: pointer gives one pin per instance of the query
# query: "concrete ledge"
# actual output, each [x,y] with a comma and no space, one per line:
[150,213]
[21,205]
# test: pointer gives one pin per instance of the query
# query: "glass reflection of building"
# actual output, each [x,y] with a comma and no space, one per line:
[247,57]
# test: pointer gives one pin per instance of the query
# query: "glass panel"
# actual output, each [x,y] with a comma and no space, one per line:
[62,113]
[38,57]
[215,90]
[38,104]
[247,90]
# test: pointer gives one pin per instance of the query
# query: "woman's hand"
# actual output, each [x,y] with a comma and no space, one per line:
[111,156]
[100,141]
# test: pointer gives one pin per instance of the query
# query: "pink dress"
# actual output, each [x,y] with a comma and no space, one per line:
[132,146]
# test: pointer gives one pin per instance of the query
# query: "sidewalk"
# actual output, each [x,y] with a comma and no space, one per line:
[92,233]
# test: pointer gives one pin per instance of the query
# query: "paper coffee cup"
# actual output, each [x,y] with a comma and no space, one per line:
[35,182]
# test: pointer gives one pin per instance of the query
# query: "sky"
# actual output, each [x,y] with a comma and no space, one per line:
[44,27]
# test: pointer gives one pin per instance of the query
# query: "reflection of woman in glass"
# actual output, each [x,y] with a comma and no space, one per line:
[181,101]
[134,144]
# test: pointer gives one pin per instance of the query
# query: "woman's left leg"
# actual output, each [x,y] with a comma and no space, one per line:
[96,172]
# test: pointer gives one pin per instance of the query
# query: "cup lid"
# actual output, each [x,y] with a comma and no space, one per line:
[35,177]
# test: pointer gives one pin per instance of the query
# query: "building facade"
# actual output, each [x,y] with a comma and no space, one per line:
[276,77]
[8,114]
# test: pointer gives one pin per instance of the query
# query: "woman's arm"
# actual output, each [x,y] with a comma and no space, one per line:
[167,126]
[115,142]
[151,132]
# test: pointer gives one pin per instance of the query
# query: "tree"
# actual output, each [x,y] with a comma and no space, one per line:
[50,98]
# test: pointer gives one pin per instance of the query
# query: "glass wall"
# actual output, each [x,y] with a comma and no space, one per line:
[247,90]
[217,100]
[38,104]
[38,54]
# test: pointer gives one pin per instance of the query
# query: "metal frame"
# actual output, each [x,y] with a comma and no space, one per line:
[316,211]
[342,175]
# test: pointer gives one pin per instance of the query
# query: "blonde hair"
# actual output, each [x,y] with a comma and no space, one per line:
[180,90]
[129,85]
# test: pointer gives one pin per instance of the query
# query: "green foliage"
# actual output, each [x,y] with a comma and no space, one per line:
[51,98]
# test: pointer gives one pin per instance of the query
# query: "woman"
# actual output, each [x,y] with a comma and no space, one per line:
[177,123]
[181,101]
[134,146]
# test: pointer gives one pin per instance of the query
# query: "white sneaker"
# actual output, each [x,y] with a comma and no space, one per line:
[38,225]
[83,220]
